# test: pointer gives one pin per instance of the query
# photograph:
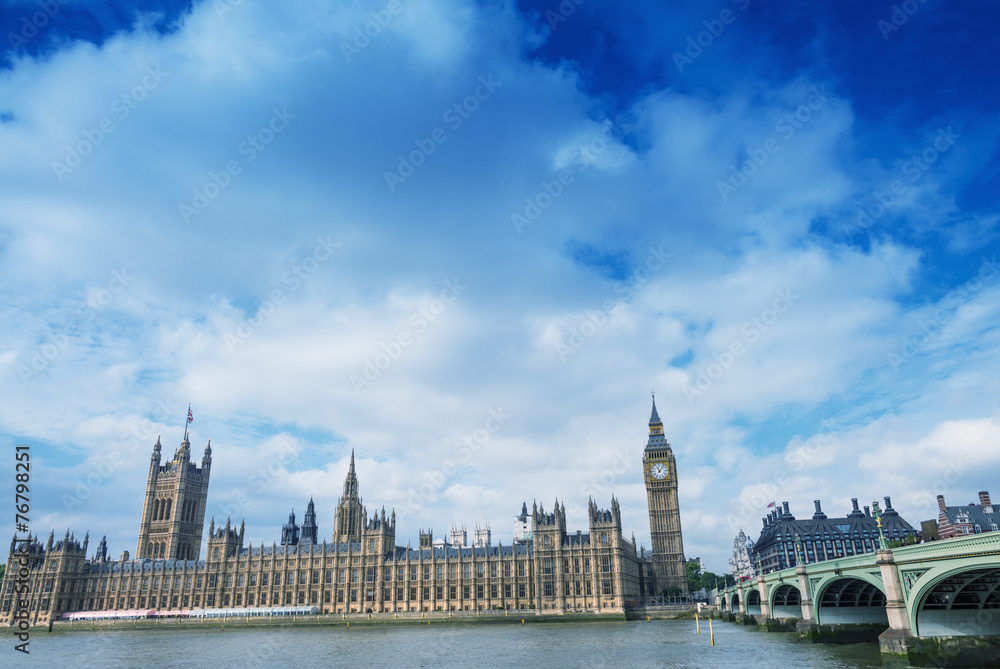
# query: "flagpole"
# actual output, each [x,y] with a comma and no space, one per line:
[187,421]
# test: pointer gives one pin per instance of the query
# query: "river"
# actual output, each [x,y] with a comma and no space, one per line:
[666,643]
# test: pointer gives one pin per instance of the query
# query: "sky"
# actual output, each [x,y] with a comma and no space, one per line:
[468,239]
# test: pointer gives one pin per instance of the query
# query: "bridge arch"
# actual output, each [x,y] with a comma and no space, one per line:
[753,603]
[722,603]
[735,602]
[785,601]
[855,599]
[957,601]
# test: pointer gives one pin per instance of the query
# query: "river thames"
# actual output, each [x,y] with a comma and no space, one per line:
[668,643]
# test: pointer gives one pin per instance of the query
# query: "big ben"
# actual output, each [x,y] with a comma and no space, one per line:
[660,474]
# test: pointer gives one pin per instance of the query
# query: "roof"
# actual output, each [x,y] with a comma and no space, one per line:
[973,514]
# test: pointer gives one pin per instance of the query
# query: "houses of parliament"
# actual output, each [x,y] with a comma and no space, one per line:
[360,568]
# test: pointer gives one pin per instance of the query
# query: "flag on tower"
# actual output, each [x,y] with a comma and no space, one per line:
[768,506]
[190,419]
[190,415]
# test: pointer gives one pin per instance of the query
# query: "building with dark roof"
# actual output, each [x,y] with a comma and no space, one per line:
[958,521]
[823,538]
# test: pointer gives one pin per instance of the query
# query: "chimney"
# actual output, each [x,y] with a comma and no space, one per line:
[868,512]
[819,515]
[984,501]
[764,520]
[854,502]
[941,506]
[888,503]
[784,505]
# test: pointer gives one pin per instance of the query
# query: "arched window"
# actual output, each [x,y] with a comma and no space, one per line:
[156,509]
[170,503]
[979,529]
[993,527]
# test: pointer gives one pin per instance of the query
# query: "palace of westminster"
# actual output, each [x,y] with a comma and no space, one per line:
[361,569]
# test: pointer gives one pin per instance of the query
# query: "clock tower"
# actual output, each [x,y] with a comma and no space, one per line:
[659,471]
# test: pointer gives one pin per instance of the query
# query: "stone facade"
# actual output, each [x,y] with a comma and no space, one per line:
[173,512]
[361,569]
[740,564]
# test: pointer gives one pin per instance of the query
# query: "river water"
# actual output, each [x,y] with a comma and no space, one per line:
[667,643]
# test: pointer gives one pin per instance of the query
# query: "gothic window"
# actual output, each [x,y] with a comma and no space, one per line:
[253,579]
[263,579]
[493,570]
[604,538]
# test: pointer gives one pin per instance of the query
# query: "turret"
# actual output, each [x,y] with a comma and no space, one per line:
[206,459]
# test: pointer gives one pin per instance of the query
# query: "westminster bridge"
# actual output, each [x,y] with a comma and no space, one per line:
[932,604]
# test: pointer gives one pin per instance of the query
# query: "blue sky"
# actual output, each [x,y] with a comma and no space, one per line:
[500,225]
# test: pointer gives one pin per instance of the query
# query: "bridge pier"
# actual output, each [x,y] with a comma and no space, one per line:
[808,621]
[896,641]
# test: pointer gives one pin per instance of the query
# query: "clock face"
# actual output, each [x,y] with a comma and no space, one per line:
[659,471]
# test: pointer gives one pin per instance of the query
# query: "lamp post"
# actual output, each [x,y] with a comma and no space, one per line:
[877,512]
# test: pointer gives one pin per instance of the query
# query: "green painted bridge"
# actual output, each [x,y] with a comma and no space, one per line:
[932,604]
